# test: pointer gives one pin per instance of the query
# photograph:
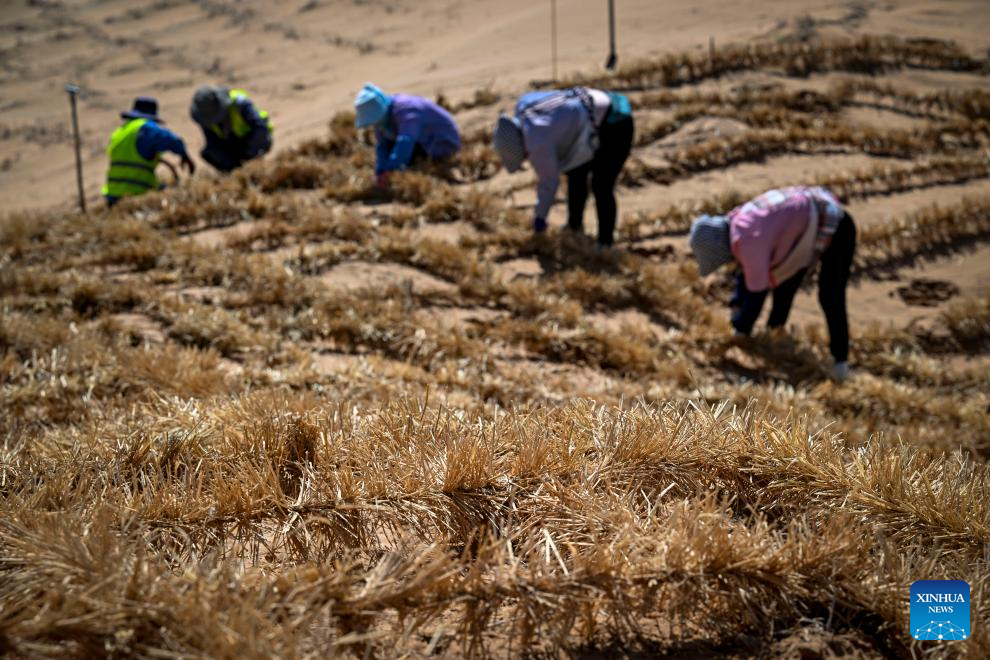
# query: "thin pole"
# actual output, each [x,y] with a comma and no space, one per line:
[612,57]
[73,90]
[553,36]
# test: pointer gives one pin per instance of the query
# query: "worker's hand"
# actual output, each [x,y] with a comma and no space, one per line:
[189,165]
[382,180]
[539,225]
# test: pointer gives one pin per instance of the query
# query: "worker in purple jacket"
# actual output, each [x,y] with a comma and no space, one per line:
[407,129]
[776,239]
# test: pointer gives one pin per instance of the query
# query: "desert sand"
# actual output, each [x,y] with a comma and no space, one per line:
[303,60]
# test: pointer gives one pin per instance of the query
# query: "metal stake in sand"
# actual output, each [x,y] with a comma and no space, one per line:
[553,37]
[73,90]
[612,57]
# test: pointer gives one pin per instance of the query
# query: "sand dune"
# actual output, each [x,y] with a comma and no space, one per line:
[302,60]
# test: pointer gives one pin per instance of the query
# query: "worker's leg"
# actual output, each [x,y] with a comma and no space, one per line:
[783,298]
[832,280]
[615,142]
[577,196]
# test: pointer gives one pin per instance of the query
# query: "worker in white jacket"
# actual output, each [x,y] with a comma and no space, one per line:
[582,132]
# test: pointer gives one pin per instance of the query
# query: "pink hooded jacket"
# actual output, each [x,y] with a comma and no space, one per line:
[780,232]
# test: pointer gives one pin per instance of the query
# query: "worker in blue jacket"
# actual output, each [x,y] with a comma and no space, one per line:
[135,150]
[235,129]
[407,128]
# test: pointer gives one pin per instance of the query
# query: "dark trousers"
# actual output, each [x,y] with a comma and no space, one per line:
[615,142]
[229,154]
[833,278]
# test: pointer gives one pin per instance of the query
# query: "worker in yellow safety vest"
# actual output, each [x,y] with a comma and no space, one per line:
[235,130]
[135,150]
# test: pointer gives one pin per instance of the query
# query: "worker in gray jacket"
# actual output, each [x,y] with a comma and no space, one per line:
[582,132]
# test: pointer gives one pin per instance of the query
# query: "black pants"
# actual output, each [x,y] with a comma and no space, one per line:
[615,142]
[227,155]
[832,280]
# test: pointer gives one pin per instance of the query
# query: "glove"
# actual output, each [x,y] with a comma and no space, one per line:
[382,180]
[840,372]
[189,165]
[539,225]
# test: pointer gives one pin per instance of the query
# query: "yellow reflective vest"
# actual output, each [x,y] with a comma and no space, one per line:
[129,173]
[237,124]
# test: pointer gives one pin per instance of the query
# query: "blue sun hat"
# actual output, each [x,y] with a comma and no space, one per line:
[710,241]
[508,142]
[370,106]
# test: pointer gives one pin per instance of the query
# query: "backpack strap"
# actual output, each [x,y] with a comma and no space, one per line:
[589,104]
[558,98]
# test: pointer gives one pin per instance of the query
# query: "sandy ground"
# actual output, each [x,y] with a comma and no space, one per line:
[303,59]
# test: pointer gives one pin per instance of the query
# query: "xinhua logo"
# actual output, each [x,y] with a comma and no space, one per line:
[940,610]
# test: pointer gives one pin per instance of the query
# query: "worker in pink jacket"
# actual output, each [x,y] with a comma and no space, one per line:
[775,239]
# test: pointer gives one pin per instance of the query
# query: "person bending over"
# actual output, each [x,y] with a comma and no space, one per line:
[407,129]
[235,129]
[582,132]
[776,239]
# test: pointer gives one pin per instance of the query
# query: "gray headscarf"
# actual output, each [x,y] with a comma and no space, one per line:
[209,105]
[508,142]
[710,242]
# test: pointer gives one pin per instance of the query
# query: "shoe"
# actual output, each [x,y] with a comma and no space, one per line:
[840,372]
[603,250]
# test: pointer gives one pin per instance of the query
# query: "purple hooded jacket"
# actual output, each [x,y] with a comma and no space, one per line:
[414,121]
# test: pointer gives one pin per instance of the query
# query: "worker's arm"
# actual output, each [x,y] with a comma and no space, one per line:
[258,139]
[408,124]
[383,149]
[153,139]
[400,155]
[542,155]
[746,306]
